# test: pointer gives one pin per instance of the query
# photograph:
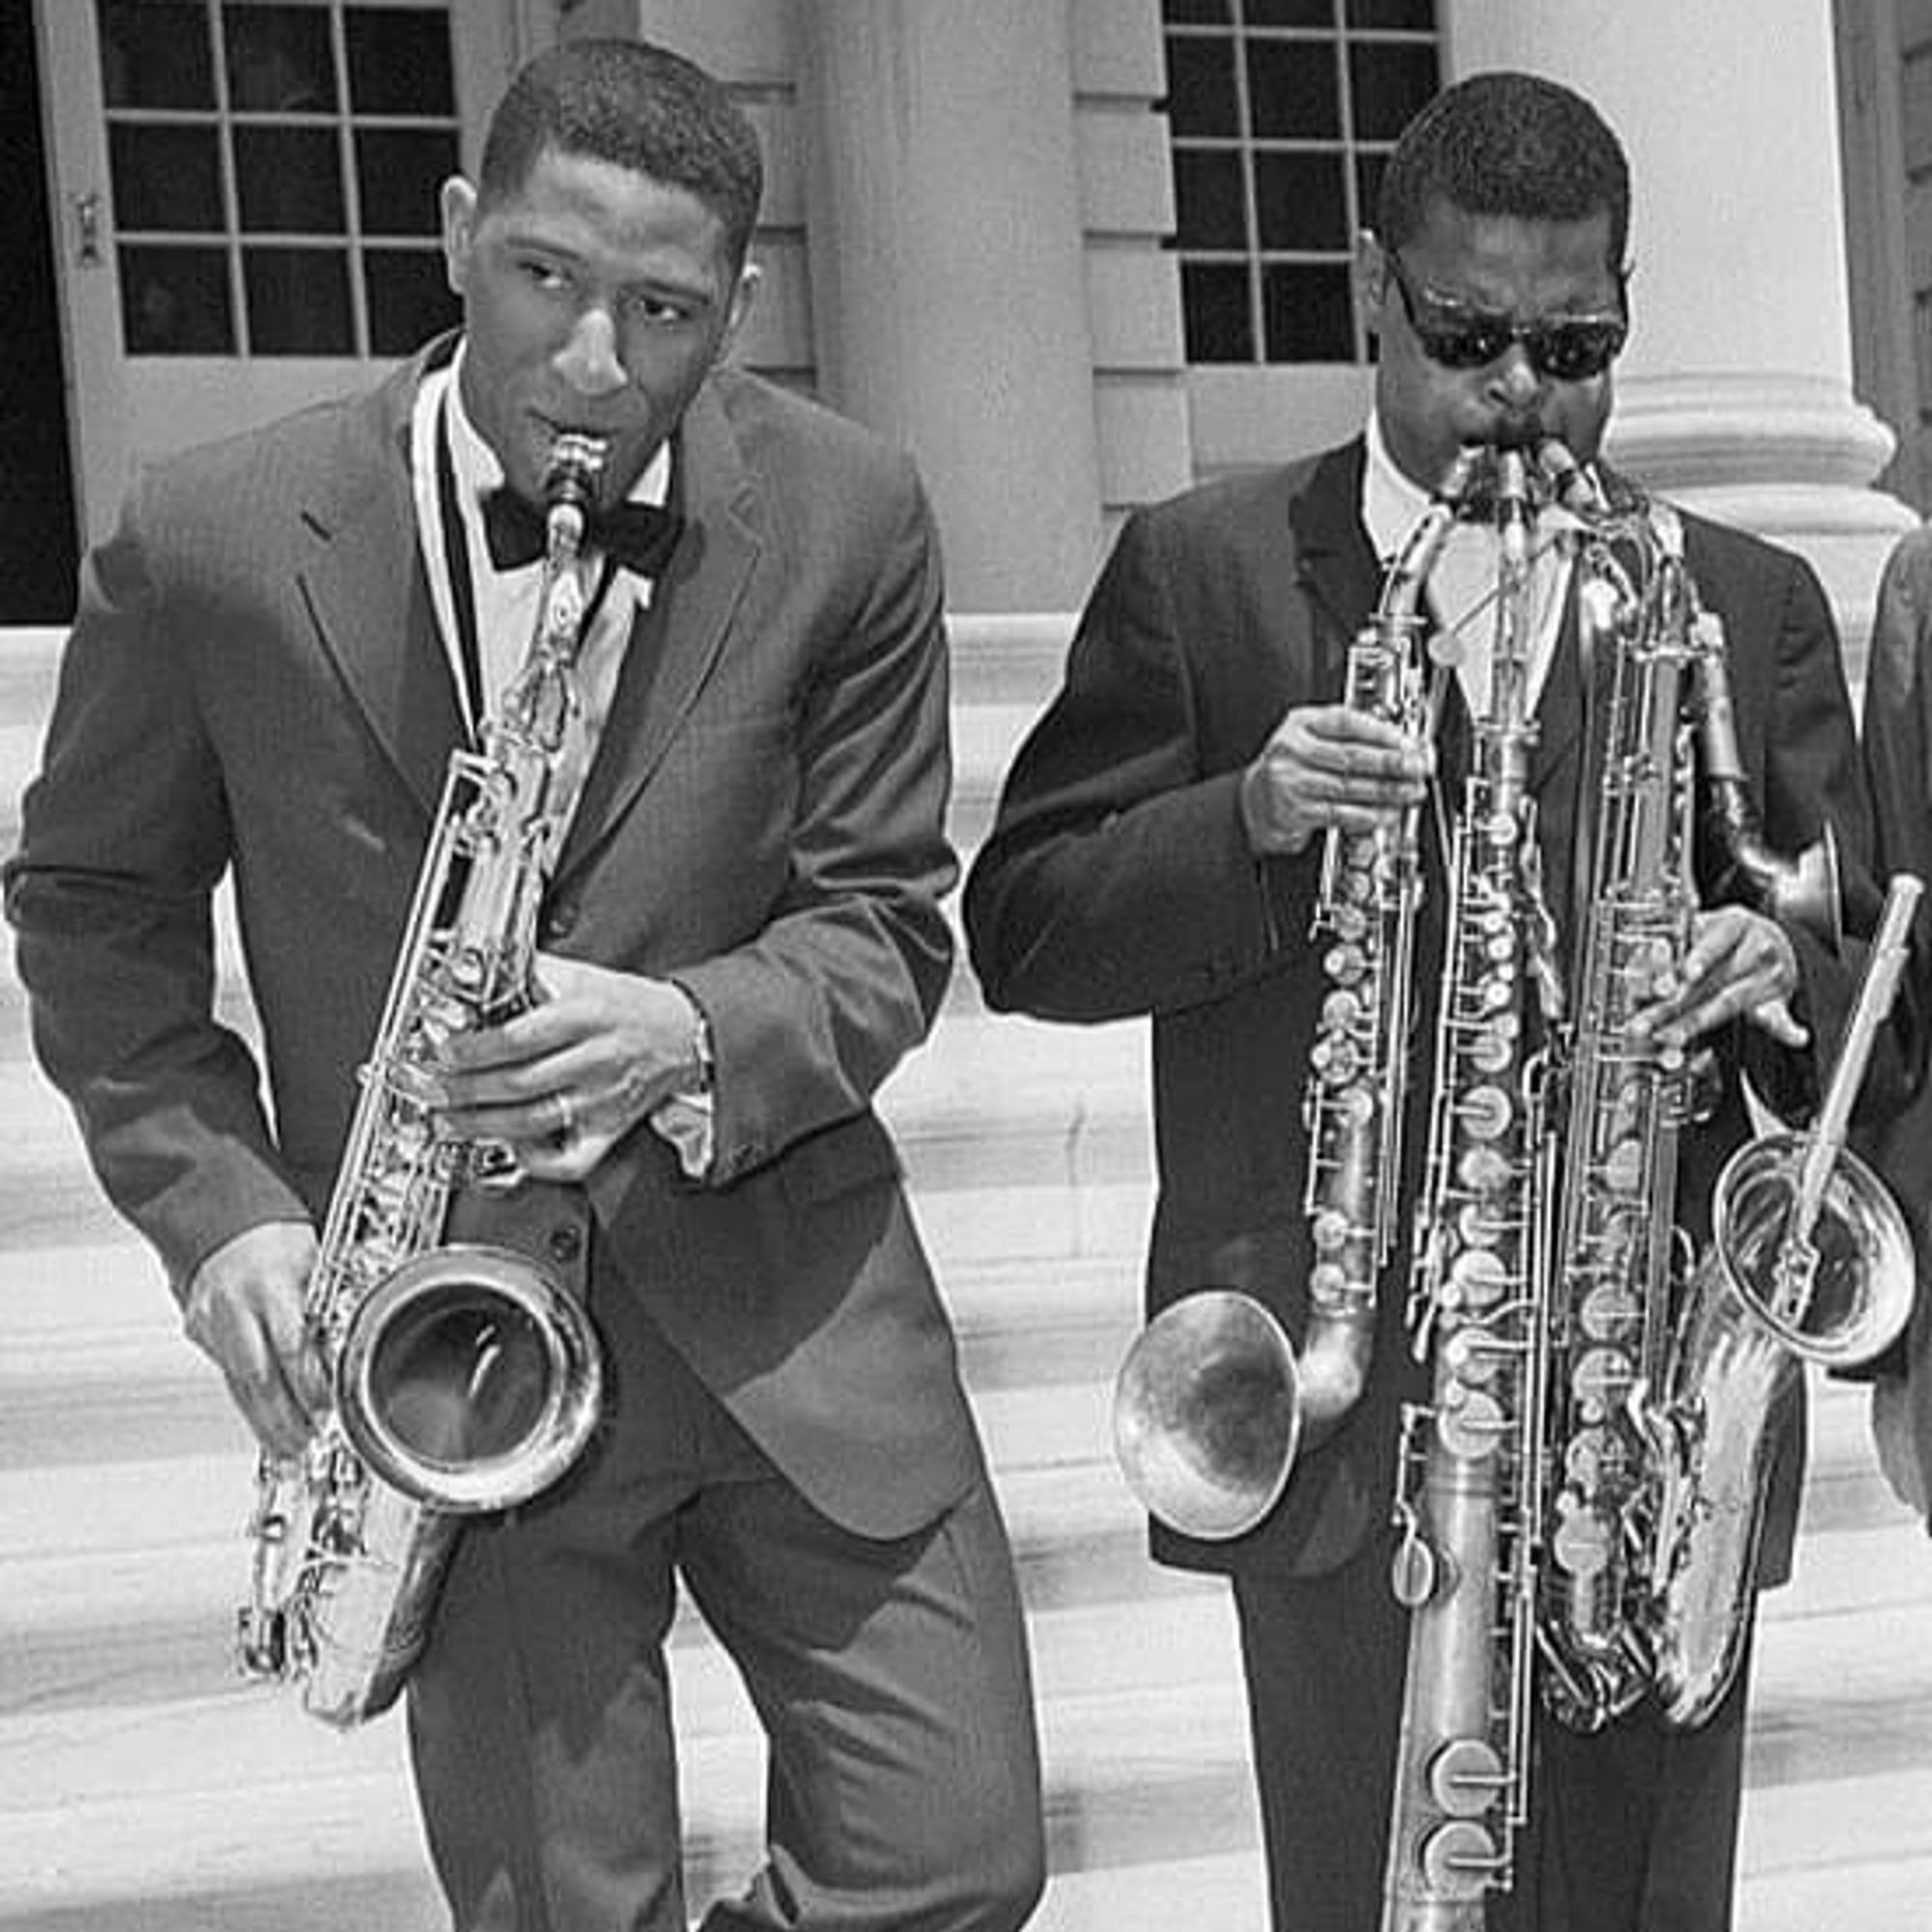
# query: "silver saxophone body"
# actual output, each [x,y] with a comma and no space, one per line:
[464,1377]
[1469,1505]
[1617,1263]
[1809,1261]
[1214,1401]
[1666,1374]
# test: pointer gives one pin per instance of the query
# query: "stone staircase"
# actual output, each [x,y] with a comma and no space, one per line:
[144,1789]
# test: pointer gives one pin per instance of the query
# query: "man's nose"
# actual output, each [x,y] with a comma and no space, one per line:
[1513,379]
[589,361]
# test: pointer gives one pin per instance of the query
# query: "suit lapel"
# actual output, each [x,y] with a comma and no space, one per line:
[365,575]
[674,643]
[1337,565]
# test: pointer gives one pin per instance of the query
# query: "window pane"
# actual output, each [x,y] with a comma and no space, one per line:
[289,182]
[1208,199]
[1214,307]
[1306,313]
[1290,13]
[1391,80]
[1298,201]
[174,301]
[1201,87]
[165,177]
[297,301]
[1194,12]
[155,54]
[399,61]
[1293,90]
[409,300]
[398,174]
[1414,15]
[279,60]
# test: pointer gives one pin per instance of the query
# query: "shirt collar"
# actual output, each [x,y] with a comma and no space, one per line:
[1390,502]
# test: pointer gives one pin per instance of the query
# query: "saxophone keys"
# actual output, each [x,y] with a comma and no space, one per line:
[1466,1777]
[1477,1279]
[1485,1111]
[1609,1312]
[1470,1423]
[1414,1571]
[1581,1544]
[1601,1383]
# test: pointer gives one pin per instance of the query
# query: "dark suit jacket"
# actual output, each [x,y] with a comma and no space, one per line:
[1897,732]
[1118,881]
[253,682]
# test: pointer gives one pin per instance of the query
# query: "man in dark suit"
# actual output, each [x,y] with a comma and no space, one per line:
[273,660]
[1159,850]
[1896,731]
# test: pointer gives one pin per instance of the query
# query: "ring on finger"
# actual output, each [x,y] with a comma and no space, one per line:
[565,1130]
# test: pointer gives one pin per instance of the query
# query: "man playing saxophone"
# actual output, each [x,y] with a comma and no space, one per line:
[1165,846]
[731,781]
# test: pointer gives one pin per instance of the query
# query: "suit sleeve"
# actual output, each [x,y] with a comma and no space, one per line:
[847,975]
[124,840]
[1119,879]
[1815,783]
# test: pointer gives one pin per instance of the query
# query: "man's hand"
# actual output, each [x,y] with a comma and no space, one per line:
[562,1084]
[1330,765]
[243,1310]
[1739,963]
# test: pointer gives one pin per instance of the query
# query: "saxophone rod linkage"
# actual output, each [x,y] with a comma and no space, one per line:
[1876,991]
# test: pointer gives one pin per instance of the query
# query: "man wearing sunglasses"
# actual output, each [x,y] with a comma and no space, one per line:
[1159,850]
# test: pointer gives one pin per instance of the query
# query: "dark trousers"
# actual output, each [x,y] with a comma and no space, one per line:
[1631,1830]
[891,1678]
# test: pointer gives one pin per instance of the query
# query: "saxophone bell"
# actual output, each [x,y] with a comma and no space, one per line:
[1208,1410]
[468,1379]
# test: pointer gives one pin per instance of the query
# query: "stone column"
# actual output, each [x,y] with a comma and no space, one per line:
[948,289]
[1735,395]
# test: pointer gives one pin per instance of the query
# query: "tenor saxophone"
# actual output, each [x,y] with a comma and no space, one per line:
[1214,1402]
[464,1379]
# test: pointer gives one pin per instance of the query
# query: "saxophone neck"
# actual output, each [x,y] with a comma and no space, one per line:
[538,705]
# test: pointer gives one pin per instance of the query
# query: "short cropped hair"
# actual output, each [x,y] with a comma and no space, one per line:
[1507,144]
[637,106]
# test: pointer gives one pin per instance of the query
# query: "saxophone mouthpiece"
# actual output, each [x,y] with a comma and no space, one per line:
[570,478]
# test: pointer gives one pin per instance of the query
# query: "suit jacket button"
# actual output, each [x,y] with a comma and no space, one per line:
[566,1242]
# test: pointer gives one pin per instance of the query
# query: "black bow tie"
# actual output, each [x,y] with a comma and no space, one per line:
[639,536]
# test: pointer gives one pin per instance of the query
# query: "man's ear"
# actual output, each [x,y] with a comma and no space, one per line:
[743,294]
[459,230]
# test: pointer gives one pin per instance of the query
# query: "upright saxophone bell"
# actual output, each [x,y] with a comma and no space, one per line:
[468,1379]
[1208,1414]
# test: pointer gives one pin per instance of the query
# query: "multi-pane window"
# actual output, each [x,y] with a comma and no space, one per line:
[275,169]
[1281,114]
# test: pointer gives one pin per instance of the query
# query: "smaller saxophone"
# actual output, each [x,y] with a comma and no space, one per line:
[1809,1260]
[1213,1403]
[1615,1264]
[465,1378]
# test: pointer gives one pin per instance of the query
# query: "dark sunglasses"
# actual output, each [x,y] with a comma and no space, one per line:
[1459,335]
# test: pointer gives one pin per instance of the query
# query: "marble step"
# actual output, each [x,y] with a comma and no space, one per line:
[168,1814]
[1133,1777]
